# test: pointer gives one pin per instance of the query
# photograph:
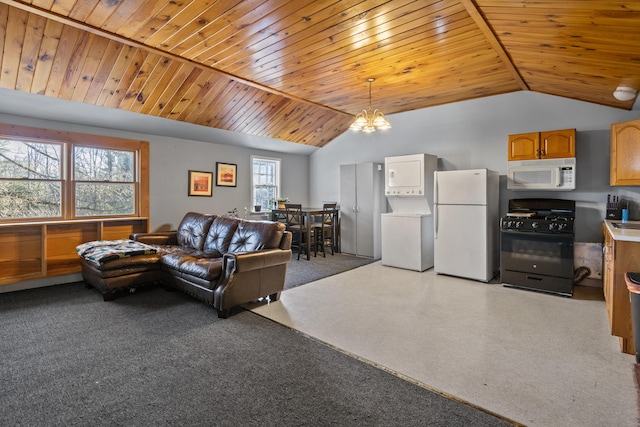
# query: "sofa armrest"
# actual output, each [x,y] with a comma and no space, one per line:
[163,238]
[249,276]
[247,261]
[236,265]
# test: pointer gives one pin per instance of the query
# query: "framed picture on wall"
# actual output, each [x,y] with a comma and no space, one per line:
[200,183]
[226,174]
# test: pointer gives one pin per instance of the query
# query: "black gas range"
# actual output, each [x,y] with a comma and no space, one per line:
[536,245]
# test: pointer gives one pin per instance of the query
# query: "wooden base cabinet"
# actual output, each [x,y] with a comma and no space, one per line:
[620,257]
[36,250]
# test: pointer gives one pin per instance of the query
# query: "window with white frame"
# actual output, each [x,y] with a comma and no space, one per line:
[266,181]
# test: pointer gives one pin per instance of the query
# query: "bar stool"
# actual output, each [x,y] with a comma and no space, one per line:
[324,230]
[294,220]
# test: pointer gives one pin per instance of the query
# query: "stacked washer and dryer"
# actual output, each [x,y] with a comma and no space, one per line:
[407,231]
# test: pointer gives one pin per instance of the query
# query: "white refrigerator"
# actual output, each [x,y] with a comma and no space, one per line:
[466,223]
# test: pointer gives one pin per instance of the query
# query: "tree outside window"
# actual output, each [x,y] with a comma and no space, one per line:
[30,179]
[104,181]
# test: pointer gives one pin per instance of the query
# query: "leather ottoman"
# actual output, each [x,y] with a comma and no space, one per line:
[124,270]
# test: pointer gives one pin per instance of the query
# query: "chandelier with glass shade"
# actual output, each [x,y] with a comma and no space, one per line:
[370,120]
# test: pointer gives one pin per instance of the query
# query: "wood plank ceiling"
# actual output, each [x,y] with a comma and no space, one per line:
[296,70]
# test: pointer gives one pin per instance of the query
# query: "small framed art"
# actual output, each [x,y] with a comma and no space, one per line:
[226,174]
[200,183]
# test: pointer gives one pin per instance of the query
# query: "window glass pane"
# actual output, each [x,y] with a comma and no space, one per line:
[30,160]
[105,199]
[30,199]
[95,164]
[265,196]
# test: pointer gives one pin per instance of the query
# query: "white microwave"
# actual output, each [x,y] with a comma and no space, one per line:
[545,174]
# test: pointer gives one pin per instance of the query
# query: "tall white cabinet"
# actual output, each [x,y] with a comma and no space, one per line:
[362,203]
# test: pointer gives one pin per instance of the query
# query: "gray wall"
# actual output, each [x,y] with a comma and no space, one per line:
[172,158]
[473,134]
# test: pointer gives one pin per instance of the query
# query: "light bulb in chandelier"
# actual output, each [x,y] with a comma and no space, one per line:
[370,120]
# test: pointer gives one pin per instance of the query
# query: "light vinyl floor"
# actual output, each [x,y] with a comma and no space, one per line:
[537,359]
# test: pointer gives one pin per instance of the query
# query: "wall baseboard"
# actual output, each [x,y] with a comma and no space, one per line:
[41,283]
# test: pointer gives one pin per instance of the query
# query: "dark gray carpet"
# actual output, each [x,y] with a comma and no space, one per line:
[304,271]
[155,358]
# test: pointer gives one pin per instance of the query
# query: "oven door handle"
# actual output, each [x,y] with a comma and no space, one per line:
[538,233]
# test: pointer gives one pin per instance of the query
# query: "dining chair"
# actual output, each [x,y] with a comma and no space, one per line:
[324,229]
[317,218]
[336,226]
[295,224]
[279,216]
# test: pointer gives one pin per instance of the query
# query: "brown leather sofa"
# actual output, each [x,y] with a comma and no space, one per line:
[221,261]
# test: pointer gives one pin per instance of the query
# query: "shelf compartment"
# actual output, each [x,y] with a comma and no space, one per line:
[61,241]
[20,253]
[114,230]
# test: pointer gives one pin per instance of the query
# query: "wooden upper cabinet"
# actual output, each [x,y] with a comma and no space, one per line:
[625,153]
[524,146]
[558,144]
[553,144]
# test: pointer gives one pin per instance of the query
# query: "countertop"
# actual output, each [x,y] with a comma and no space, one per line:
[623,234]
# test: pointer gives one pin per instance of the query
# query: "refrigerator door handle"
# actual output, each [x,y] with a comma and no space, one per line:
[435,221]
[435,187]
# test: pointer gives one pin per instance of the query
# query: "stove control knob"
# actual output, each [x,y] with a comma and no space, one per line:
[519,224]
[510,223]
[534,225]
[562,226]
[552,226]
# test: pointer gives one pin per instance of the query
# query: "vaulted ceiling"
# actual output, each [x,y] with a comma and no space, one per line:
[296,70]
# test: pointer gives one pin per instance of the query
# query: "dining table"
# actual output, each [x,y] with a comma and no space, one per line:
[307,214]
